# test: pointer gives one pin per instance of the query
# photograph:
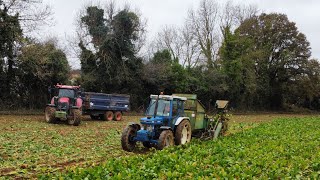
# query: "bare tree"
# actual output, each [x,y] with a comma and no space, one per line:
[243,12]
[233,15]
[199,39]
[181,43]
[33,14]
[190,53]
[110,9]
[204,23]
[169,38]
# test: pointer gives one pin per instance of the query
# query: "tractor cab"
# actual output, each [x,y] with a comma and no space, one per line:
[163,111]
[164,108]
[64,91]
[65,97]
[157,129]
[65,104]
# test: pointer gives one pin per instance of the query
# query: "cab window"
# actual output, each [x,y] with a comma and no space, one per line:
[174,107]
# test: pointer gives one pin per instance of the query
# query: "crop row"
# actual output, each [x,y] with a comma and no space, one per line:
[283,148]
[30,146]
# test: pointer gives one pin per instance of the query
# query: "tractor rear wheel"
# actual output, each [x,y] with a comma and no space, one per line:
[118,116]
[107,116]
[127,142]
[183,133]
[76,118]
[49,114]
[166,139]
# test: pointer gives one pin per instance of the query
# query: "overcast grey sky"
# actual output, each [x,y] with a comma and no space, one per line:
[305,13]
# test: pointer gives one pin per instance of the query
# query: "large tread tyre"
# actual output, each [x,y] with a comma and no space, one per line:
[127,142]
[118,116]
[183,133]
[108,116]
[50,114]
[166,139]
[76,118]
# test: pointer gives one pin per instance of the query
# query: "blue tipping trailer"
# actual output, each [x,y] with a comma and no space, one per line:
[105,106]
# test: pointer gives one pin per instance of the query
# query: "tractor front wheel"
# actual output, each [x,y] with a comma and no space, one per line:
[49,114]
[127,142]
[166,139]
[183,133]
[76,118]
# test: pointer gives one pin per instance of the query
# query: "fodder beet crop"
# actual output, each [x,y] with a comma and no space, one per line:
[287,147]
[29,146]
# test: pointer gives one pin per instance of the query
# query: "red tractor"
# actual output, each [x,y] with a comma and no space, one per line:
[65,105]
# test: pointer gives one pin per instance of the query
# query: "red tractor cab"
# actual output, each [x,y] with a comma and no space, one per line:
[65,105]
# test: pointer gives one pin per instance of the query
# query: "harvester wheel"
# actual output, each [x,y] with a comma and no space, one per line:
[127,142]
[118,116]
[49,114]
[166,139]
[107,116]
[183,133]
[76,118]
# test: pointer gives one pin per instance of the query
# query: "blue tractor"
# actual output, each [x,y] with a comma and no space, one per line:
[173,120]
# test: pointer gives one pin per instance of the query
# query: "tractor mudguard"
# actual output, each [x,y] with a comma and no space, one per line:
[135,125]
[178,121]
[165,128]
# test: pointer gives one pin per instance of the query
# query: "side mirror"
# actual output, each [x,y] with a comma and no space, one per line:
[55,100]
[80,91]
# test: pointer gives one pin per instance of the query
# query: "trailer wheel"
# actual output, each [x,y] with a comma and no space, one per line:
[76,118]
[107,116]
[127,142]
[166,139]
[183,133]
[49,114]
[118,116]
